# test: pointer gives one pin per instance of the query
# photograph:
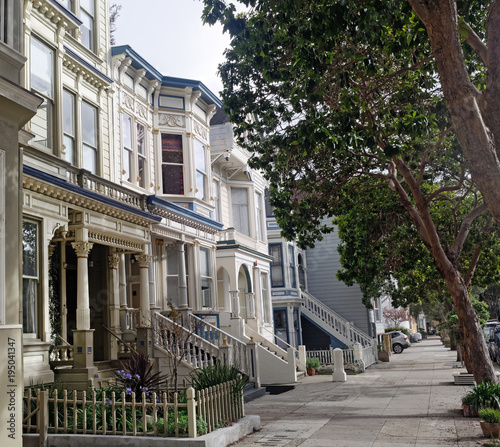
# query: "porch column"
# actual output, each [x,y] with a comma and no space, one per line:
[235,303]
[145,309]
[144,331]
[114,305]
[82,250]
[183,293]
[123,293]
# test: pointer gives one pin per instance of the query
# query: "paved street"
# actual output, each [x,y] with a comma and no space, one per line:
[410,401]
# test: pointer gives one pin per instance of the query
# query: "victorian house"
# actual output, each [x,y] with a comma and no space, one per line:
[135,202]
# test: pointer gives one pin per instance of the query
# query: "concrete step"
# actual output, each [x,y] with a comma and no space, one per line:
[251,393]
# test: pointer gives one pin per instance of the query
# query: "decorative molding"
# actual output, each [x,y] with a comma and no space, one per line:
[200,130]
[128,101]
[143,260]
[56,16]
[115,241]
[113,261]
[167,119]
[142,111]
[82,249]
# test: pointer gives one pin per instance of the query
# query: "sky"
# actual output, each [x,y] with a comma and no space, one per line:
[170,35]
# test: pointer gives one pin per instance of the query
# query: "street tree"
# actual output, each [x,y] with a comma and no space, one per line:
[351,95]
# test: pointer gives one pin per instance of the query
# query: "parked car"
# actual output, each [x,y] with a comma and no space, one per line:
[415,337]
[399,341]
[493,343]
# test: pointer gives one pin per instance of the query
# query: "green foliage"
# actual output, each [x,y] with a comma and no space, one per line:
[452,325]
[483,395]
[313,363]
[217,374]
[489,415]
[201,425]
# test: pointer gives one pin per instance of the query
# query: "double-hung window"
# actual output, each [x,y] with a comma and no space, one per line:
[291,266]
[30,277]
[239,204]
[172,164]
[134,150]
[215,188]
[87,18]
[206,278]
[276,265]
[200,153]
[89,137]
[258,215]
[69,134]
[42,83]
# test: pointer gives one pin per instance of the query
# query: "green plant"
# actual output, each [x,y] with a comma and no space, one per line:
[490,415]
[313,363]
[201,425]
[202,378]
[484,395]
[137,376]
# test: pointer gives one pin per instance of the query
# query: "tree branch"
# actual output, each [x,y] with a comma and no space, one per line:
[449,188]
[472,266]
[433,147]
[464,231]
[473,40]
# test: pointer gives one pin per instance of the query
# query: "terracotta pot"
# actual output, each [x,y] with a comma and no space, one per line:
[469,411]
[311,372]
[490,430]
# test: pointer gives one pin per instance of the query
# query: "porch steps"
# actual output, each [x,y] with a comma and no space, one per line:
[106,370]
[250,392]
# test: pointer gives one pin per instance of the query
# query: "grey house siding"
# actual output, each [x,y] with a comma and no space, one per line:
[323,262]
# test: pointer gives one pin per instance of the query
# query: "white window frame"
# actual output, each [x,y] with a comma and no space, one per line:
[91,15]
[242,222]
[216,197]
[69,135]
[86,144]
[201,170]
[207,301]
[181,165]
[36,279]
[259,215]
[48,97]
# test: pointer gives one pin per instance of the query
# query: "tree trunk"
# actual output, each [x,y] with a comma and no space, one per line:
[476,357]
[469,109]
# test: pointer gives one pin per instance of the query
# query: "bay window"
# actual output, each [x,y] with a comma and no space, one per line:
[259,217]
[239,205]
[42,83]
[172,164]
[291,266]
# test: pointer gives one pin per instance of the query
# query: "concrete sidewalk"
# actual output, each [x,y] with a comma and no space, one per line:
[410,401]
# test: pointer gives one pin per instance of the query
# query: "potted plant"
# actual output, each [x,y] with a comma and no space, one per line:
[490,424]
[483,395]
[312,363]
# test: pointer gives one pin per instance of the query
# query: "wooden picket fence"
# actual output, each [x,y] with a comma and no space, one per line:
[102,413]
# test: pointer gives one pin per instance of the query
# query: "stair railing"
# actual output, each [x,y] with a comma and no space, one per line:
[334,321]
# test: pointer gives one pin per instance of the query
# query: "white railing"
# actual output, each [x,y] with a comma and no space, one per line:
[121,414]
[369,355]
[183,343]
[62,354]
[355,355]
[239,352]
[336,324]
[275,349]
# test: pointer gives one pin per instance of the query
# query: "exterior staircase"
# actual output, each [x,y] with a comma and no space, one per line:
[332,323]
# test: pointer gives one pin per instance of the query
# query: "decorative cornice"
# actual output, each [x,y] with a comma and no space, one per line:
[61,190]
[57,14]
[200,130]
[89,73]
[167,119]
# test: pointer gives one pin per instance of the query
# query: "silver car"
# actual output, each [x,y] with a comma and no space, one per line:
[400,341]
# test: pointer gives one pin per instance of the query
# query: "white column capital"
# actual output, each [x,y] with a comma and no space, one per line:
[82,249]
[143,260]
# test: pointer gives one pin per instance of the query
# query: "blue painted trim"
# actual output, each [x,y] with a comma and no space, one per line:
[66,11]
[139,62]
[87,65]
[83,192]
[202,316]
[170,206]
